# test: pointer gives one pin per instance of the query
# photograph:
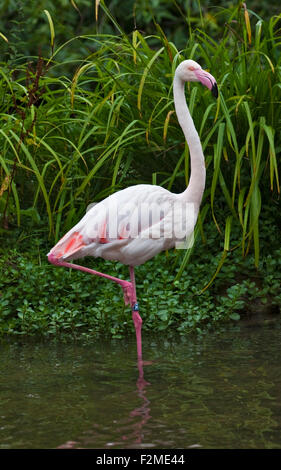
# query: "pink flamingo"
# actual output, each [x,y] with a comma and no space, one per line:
[136,223]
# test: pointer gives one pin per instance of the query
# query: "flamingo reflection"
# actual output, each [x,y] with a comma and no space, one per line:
[132,432]
[142,411]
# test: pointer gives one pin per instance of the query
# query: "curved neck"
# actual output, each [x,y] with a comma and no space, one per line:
[195,189]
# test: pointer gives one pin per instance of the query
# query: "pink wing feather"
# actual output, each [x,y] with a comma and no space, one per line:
[132,242]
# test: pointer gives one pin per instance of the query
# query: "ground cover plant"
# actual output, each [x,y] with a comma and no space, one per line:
[77,127]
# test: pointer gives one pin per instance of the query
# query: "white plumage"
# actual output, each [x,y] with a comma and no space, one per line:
[135,224]
[131,226]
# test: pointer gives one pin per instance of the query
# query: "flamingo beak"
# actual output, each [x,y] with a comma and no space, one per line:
[208,80]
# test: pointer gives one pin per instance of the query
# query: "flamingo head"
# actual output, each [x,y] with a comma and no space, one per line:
[191,71]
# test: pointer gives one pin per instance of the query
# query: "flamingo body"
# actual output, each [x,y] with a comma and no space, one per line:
[147,220]
[137,223]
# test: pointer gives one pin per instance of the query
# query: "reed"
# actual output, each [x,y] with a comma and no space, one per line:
[68,140]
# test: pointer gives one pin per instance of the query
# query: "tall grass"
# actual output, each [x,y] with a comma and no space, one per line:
[69,140]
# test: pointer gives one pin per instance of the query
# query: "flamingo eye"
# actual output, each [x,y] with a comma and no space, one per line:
[191,68]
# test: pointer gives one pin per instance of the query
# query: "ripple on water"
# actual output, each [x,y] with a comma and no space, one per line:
[218,391]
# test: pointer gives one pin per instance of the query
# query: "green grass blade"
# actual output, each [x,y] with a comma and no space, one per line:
[144,75]
[189,251]
[38,176]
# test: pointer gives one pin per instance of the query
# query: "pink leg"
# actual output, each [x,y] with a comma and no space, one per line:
[129,289]
[135,313]
[126,286]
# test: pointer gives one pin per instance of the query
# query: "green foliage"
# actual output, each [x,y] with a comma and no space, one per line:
[39,299]
[93,113]
[25,26]
[68,142]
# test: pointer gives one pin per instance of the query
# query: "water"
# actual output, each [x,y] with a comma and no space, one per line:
[219,391]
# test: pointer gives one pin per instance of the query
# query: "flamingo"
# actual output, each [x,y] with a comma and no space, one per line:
[138,222]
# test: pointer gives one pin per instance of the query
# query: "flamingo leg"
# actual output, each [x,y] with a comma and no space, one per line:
[135,313]
[126,285]
[129,290]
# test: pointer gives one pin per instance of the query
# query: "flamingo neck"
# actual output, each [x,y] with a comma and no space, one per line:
[195,189]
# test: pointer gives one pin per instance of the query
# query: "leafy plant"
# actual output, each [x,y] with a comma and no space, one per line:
[36,299]
[113,125]
[77,127]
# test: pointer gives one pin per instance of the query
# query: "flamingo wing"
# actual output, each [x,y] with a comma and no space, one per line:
[129,226]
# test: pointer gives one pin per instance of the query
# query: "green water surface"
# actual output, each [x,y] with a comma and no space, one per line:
[222,390]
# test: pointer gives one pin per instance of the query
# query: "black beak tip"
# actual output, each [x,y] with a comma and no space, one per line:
[215,90]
